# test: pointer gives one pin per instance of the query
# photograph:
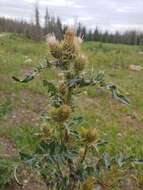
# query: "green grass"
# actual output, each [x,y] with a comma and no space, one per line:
[5,108]
[120,125]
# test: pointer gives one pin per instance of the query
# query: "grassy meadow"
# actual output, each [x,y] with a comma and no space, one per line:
[22,106]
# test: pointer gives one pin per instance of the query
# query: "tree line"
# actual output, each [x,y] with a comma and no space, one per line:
[52,24]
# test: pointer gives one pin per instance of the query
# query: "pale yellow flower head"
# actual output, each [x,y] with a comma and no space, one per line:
[51,39]
[70,33]
[89,135]
[54,46]
[80,62]
[61,114]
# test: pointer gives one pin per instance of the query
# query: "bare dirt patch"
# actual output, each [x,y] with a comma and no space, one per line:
[5,94]
[30,186]
[5,78]
[27,107]
[128,120]
[26,70]
[36,102]
[7,147]
[22,115]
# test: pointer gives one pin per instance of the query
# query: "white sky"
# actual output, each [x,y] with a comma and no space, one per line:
[106,14]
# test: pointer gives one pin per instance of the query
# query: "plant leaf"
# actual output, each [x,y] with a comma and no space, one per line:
[25,80]
[107,160]
[116,94]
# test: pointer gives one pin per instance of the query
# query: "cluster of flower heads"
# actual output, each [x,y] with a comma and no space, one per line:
[68,51]
[70,57]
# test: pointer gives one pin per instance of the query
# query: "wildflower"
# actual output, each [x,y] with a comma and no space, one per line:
[51,39]
[70,34]
[54,46]
[69,51]
[89,135]
[80,62]
[61,114]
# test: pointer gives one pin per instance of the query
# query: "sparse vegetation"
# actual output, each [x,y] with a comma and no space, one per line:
[5,108]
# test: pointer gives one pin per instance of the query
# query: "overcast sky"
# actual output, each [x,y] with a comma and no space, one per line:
[106,14]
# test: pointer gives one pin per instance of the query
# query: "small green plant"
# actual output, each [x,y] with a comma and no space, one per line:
[65,151]
[5,107]
[6,172]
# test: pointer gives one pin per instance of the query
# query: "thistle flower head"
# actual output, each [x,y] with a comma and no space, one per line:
[61,114]
[67,51]
[51,39]
[80,62]
[70,34]
[89,135]
[54,46]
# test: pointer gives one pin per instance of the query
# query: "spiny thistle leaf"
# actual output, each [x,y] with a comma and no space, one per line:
[78,81]
[29,159]
[75,121]
[107,160]
[99,77]
[25,80]
[116,94]
[138,161]
[45,64]
[55,151]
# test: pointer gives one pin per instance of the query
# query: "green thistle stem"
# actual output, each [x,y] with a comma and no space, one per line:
[85,153]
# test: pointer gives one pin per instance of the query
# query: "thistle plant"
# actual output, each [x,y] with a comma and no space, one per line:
[65,150]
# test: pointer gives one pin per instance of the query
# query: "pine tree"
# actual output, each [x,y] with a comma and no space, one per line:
[58,29]
[37,31]
[47,18]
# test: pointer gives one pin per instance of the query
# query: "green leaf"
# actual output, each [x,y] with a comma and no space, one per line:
[55,151]
[100,77]
[29,159]
[75,121]
[25,156]
[120,159]
[25,80]
[116,94]
[138,161]
[107,160]
[101,143]
[45,63]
